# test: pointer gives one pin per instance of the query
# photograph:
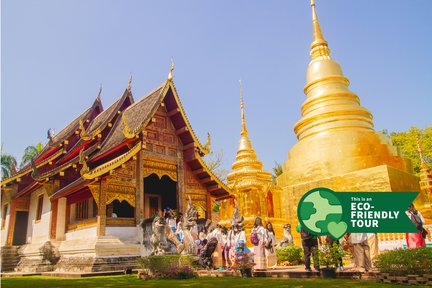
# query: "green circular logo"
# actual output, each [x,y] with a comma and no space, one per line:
[320,212]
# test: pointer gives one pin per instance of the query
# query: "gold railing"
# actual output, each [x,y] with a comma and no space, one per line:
[82,224]
[401,236]
[125,222]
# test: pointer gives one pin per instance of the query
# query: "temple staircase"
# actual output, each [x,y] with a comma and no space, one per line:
[9,258]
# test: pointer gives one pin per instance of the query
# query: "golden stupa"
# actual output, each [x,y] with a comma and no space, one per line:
[337,146]
[251,186]
[425,187]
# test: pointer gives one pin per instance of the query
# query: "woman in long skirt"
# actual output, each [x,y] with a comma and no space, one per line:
[270,242]
[415,239]
[259,250]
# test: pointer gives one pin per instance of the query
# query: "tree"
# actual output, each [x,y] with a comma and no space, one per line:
[407,143]
[277,171]
[8,164]
[214,163]
[30,152]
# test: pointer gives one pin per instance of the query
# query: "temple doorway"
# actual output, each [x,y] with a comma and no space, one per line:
[159,194]
[20,229]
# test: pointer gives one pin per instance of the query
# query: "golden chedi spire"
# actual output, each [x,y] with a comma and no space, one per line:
[247,170]
[337,146]
[335,132]
[319,45]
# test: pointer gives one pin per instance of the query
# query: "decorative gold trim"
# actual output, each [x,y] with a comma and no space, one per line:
[127,132]
[85,169]
[216,179]
[126,222]
[95,189]
[19,175]
[160,169]
[182,112]
[82,224]
[111,196]
[84,136]
[106,167]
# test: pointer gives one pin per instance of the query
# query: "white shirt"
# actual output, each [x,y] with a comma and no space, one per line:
[358,237]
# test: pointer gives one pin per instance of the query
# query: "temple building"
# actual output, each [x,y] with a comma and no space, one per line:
[251,186]
[337,145]
[77,206]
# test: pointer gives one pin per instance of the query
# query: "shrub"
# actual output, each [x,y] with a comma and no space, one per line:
[330,255]
[167,266]
[184,272]
[291,254]
[404,262]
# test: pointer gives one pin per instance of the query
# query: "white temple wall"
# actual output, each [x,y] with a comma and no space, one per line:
[4,230]
[89,232]
[125,233]
[38,230]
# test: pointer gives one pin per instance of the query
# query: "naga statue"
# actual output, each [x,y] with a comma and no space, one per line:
[287,239]
[237,219]
[158,238]
[189,221]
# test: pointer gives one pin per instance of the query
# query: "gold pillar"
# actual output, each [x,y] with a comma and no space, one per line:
[180,182]
[139,196]
[101,218]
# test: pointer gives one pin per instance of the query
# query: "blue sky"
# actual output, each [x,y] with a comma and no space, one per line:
[55,55]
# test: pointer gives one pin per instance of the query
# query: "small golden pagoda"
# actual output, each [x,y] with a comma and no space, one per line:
[251,186]
[425,187]
[337,145]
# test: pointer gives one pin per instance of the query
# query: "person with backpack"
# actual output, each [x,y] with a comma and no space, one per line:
[310,246]
[257,238]
[416,239]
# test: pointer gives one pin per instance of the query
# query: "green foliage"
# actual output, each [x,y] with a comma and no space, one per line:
[404,262]
[407,143]
[167,266]
[8,164]
[291,254]
[277,171]
[30,152]
[329,255]
[216,207]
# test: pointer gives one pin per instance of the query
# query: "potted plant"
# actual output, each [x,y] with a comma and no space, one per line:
[244,263]
[329,256]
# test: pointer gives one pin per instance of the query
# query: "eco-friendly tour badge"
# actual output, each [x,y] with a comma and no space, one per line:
[321,211]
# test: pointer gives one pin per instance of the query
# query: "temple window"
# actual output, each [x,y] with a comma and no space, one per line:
[39,207]
[117,209]
[4,211]
[83,210]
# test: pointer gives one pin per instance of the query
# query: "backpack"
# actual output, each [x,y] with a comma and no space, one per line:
[254,238]
[305,235]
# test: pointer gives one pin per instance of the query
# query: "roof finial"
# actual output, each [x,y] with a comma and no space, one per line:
[319,45]
[130,82]
[244,129]
[170,75]
[420,151]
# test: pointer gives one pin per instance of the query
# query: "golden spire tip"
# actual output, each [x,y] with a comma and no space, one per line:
[170,75]
[244,129]
[129,82]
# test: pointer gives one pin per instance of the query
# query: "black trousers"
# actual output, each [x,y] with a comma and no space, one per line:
[309,248]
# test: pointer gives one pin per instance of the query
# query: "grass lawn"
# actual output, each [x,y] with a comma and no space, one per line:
[133,281]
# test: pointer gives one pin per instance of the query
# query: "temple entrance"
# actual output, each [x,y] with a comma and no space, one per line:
[159,194]
[20,229]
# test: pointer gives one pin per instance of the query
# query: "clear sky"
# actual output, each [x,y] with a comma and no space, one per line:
[55,55]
